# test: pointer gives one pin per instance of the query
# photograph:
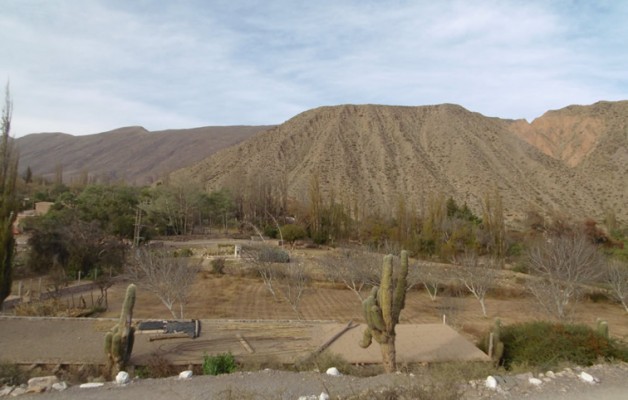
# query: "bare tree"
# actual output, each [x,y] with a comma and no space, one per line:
[167,277]
[478,276]
[285,277]
[617,278]
[293,280]
[264,259]
[356,269]
[562,265]
[430,280]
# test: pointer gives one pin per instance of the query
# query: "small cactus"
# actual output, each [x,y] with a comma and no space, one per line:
[602,328]
[382,309]
[119,340]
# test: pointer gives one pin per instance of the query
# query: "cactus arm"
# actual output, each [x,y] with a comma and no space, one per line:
[367,338]
[108,340]
[399,301]
[377,322]
[386,292]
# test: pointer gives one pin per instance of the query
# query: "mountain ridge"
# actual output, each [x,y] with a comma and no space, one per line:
[132,153]
[377,153]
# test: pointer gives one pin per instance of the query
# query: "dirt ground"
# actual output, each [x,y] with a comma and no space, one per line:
[239,296]
[243,297]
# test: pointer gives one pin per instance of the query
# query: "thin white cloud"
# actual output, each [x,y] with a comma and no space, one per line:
[85,67]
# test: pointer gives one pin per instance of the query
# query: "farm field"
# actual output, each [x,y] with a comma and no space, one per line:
[235,296]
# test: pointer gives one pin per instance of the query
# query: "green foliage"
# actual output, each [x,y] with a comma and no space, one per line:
[271,254]
[271,232]
[11,374]
[8,203]
[61,237]
[292,232]
[114,207]
[545,345]
[463,213]
[220,364]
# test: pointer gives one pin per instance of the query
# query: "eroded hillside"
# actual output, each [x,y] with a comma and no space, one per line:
[372,154]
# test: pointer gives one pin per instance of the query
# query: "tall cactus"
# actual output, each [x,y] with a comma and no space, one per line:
[119,340]
[382,309]
[497,351]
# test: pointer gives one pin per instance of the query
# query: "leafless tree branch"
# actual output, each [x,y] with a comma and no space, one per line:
[562,265]
[167,277]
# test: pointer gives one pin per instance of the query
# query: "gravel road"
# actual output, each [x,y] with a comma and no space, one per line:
[612,385]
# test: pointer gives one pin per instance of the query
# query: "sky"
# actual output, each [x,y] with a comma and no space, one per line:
[83,67]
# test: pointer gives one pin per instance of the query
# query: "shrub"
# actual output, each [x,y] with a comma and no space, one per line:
[273,255]
[11,374]
[220,364]
[545,344]
[292,232]
[184,252]
[218,265]
[156,367]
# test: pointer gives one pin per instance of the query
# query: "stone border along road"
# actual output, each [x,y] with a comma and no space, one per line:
[268,384]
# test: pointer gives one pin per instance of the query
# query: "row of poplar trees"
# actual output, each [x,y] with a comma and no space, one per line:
[8,200]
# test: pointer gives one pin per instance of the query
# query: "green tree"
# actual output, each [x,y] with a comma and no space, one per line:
[292,232]
[8,203]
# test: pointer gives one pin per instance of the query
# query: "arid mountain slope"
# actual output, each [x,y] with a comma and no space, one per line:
[372,154]
[132,153]
[593,141]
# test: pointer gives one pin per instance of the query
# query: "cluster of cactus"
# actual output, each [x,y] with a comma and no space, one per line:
[382,309]
[496,351]
[119,340]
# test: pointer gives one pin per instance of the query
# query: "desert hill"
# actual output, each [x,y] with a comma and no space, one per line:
[593,142]
[131,153]
[372,154]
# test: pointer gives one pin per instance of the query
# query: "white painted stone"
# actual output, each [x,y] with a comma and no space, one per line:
[323,396]
[60,386]
[6,390]
[535,381]
[312,397]
[550,374]
[333,371]
[91,385]
[185,374]
[18,391]
[587,378]
[123,378]
[42,383]
[491,383]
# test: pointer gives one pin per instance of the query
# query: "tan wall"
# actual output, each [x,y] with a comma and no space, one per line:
[42,207]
